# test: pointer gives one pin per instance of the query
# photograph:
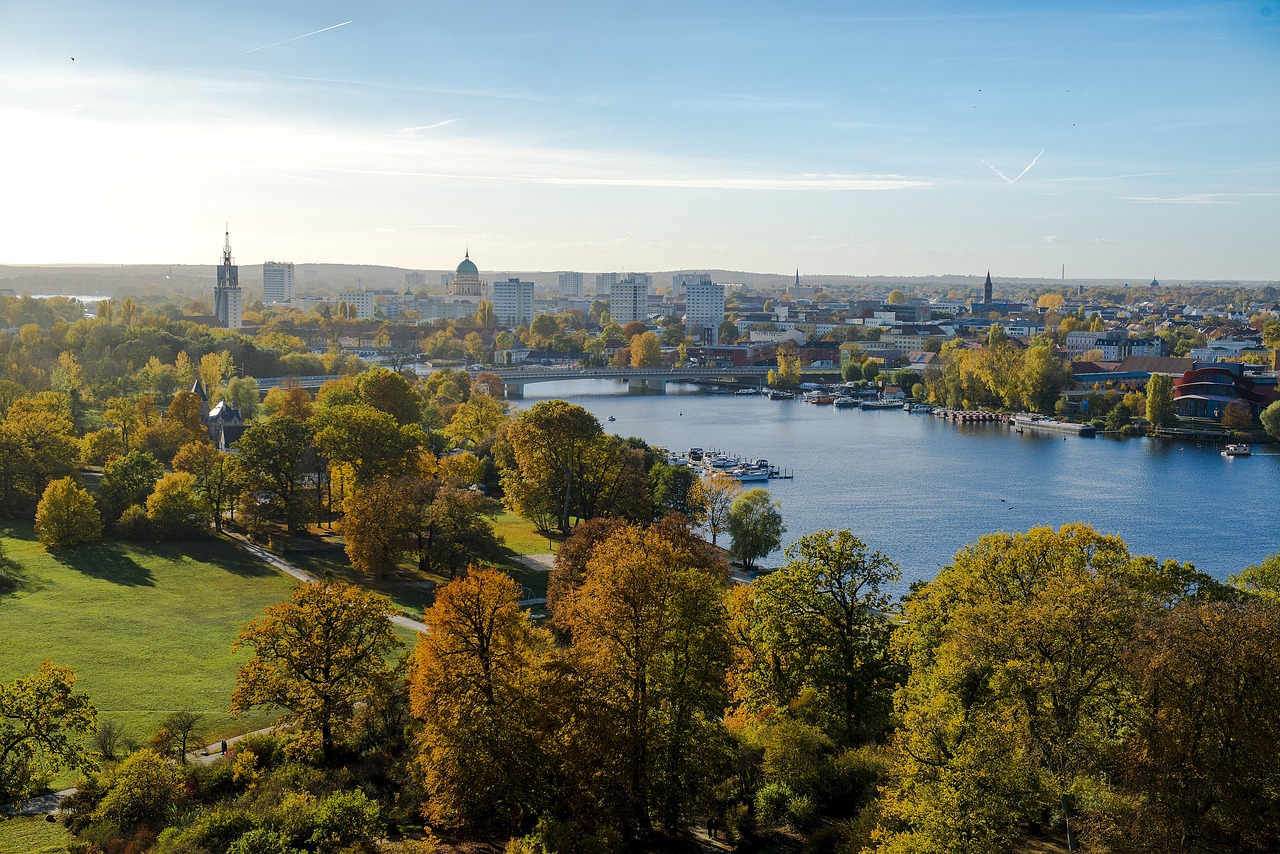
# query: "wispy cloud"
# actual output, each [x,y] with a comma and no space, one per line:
[1052,238]
[416,129]
[1188,199]
[296,38]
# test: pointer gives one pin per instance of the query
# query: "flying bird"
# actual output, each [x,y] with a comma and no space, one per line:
[295,38]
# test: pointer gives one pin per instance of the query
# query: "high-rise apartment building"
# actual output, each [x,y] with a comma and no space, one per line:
[681,281]
[704,310]
[277,282]
[570,284]
[629,299]
[228,299]
[513,302]
[605,283]
[415,280]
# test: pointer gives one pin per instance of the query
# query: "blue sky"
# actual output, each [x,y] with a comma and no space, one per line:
[1122,140]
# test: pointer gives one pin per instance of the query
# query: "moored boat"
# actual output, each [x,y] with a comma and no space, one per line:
[1238,449]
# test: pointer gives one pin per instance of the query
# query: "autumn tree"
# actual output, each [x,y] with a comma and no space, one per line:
[817,627]
[1237,415]
[377,523]
[318,656]
[716,494]
[476,687]
[650,639]
[569,569]
[43,725]
[291,402]
[755,526]
[67,515]
[475,420]
[176,509]
[271,458]
[36,448]
[391,393]
[242,393]
[1160,410]
[646,350]
[367,439]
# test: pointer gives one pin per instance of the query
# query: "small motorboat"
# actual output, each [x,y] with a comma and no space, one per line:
[1237,450]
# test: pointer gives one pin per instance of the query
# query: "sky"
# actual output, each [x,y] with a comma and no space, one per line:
[1123,140]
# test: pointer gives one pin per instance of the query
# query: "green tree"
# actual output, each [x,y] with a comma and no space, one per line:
[271,457]
[476,420]
[818,627]
[392,393]
[67,515]
[1271,420]
[318,656]
[367,439]
[216,477]
[143,790]
[673,490]
[128,480]
[1160,410]
[242,393]
[548,441]
[485,318]
[43,726]
[1042,378]
[476,686]
[755,526]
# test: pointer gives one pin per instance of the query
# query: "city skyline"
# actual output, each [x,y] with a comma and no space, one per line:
[849,140]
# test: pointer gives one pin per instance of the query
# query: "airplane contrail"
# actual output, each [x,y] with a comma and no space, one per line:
[295,38]
[1005,177]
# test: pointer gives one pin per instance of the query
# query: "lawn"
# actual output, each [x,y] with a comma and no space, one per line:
[147,628]
[31,835]
[323,551]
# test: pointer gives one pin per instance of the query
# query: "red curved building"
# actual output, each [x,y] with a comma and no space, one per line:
[1204,392]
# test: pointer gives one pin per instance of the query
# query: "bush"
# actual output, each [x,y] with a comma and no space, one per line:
[262,841]
[214,832]
[176,510]
[344,821]
[141,790]
[133,524]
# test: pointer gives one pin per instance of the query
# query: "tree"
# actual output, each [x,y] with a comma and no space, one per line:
[216,477]
[36,447]
[128,480]
[896,297]
[318,657]
[569,569]
[1051,302]
[476,420]
[271,458]
[67,515]
[392,393]
[674,490]
[458,531]
[367,439]
[755,526]
[1017,691]
[818,626]
[1160,410]
[548,441]
[476,685]
[291,402]
[1237,415]
[1271,420]
[184,726]
[43,725]
[1042,378]
[176,509]
[242,393]
[649,634]
[646,350]
[485,318]
[377,524]
[717,492]
[728,332]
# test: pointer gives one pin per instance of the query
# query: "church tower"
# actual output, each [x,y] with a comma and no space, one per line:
[228,299]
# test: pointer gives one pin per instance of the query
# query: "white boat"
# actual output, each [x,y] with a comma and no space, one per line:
[1237,450]
[881,404]
[844,402]
[749,474]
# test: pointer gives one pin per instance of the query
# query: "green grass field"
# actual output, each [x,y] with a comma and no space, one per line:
[23,835]
[147,628]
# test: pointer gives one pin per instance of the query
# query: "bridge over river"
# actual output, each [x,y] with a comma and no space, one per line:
[639,380]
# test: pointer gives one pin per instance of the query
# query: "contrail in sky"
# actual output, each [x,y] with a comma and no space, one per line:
[295,38]
[1006,178]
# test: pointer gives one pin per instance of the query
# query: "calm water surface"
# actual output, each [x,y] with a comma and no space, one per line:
[918,488]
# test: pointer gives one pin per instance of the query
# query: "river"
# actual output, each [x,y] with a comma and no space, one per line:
[918,488]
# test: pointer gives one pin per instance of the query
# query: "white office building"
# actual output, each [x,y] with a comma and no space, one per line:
[704,309]
[570,284]
[629,300]
[277,282]
[513,302]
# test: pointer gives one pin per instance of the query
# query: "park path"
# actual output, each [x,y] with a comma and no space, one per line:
[279,563]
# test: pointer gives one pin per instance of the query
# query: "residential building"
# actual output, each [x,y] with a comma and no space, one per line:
[415,280]
[704,310]
[629,299]
[359,303]
[570,284]
[513,302]
[228,299]
[277,282]
[605,283]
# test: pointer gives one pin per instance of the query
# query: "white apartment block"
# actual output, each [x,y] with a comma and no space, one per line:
[360,302]
[277,282]
[704,309]
[629,300]
[605,283]
[513,302]
[570,284]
